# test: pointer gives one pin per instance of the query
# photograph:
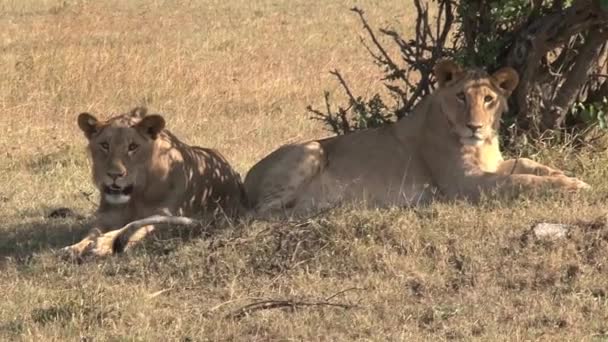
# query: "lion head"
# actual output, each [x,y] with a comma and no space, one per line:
[121,148]
[472,100]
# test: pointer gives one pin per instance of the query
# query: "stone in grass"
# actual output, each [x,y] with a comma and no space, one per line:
[551,230]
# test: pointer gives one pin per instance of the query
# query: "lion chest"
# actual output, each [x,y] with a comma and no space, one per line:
[489,157]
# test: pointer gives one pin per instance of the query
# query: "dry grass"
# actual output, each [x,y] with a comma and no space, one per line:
[237,75]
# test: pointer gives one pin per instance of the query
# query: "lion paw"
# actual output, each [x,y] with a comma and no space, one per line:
[104,244]
[98,246]
[580,185]
[575,184]
[77,251]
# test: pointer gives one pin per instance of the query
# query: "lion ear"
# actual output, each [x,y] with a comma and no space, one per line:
[151,125]
[446,71]
[88,124]
[506,79]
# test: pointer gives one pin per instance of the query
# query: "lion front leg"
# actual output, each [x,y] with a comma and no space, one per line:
[107,218]
[517,182]
[558,182]
[527,166]
[132,234]
[120,240]
[78,250]
[108,243]
[473,187]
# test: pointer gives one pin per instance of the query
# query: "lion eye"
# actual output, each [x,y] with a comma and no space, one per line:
[461,97]
[104,146]
[133,147]
[488,99]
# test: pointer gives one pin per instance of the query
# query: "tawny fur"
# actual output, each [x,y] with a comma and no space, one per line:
[447,148]
[167,177]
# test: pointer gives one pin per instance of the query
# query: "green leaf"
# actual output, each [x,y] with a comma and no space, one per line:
[585,115]
[604,5]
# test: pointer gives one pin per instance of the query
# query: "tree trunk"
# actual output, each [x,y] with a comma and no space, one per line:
[544,96]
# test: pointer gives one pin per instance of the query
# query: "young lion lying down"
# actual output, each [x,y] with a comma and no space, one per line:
[447,147]
[141,170]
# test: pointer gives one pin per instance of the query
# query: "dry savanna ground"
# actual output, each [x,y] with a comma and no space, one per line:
[237,75]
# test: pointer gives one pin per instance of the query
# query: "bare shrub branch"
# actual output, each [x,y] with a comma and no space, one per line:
[554,45]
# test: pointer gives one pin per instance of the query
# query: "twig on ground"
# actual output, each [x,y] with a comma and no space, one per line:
[229,302]
[290,303]
[275,304]
[158,293]
[344,291]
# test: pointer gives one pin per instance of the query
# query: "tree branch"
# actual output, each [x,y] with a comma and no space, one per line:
[574,79]
[289,303]
[535,40]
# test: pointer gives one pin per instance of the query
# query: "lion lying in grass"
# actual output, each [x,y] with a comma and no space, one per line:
[143,170]
[447,148]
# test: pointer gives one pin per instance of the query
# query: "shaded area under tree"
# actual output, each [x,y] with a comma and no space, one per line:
[558,47]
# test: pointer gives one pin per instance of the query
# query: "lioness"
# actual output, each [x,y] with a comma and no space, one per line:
[447,147]
[141,169]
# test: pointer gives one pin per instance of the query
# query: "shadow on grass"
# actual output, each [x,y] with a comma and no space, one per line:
[20,241]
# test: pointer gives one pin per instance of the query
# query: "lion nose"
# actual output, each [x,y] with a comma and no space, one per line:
[474,126]
[116,174]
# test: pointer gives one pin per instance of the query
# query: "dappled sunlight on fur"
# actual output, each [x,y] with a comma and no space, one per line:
[152,172]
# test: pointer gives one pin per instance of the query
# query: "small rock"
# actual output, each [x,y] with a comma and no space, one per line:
[551,230]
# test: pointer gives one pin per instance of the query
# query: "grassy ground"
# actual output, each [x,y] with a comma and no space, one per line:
[237,75]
